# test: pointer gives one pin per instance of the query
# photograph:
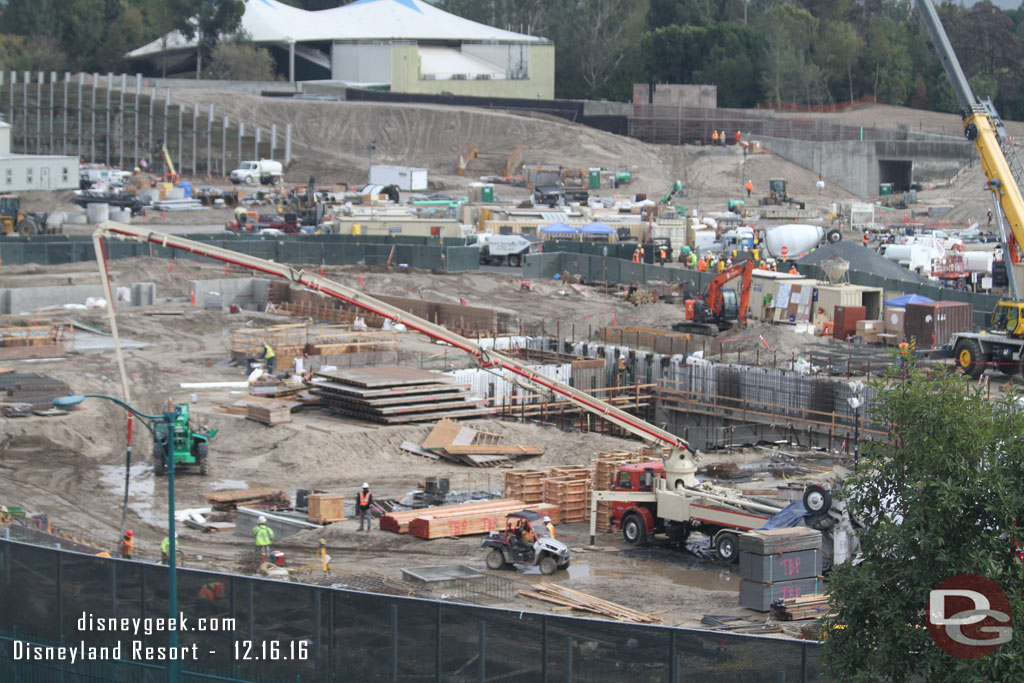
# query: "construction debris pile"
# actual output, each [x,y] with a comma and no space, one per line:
[467,446]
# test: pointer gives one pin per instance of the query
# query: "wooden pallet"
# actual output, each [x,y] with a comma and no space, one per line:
[563,596]
[526,485]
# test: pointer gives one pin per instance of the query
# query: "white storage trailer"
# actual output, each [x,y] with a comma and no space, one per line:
[405,177]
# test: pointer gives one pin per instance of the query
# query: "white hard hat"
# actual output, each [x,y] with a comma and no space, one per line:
[262,519]
[546,518]
[365,485]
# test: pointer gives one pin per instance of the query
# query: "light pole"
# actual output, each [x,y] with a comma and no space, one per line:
[164,438]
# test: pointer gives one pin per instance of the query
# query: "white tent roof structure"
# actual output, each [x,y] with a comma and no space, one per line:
[269,21]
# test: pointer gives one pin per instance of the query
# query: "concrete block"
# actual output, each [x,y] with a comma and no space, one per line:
[97,212]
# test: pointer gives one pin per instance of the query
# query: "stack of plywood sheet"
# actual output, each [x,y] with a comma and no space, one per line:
[810,606]
[394,394]
[526,485]
[460,520]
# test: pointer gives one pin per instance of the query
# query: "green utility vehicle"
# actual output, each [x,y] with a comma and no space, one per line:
[191,448]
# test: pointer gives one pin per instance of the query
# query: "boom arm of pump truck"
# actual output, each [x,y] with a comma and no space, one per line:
[680,462]
[982,126]
[713,296]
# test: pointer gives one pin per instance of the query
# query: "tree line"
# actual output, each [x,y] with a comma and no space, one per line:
[807,52]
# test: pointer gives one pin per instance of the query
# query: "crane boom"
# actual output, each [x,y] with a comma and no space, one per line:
[681,457]
[983,127]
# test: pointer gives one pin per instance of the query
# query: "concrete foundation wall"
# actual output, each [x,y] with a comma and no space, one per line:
[250,293]
[20,300]
[854,164]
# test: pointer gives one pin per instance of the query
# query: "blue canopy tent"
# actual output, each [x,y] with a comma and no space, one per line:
[902,301]
[560,228]
[597,228]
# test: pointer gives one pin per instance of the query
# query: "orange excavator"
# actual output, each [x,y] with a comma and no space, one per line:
[719,309]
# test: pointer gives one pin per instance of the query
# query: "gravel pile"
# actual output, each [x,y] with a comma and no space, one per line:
[862,259]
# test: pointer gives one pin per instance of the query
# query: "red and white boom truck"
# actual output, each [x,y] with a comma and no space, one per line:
[662,497]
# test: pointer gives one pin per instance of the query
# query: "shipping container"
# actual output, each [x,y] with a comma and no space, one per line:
[405,177]
[829,297]
[933,324]
[846,318]
[894,321]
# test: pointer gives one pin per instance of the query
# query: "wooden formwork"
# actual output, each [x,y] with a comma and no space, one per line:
[570,495]
[35,341]
[304,339]
[525,485]
[605,466]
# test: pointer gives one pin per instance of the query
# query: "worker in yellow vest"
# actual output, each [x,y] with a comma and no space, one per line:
[270,357]
[549,526]
[263,535]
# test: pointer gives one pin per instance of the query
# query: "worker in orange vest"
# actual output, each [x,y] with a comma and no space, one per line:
[127,544]
[793,270]
[737,137]
[363,504]
[702,265]
[714,137]
[749,187]
[636,255]
[865,238]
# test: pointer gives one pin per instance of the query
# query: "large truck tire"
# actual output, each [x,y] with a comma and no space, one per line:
[634,529]
[970,358]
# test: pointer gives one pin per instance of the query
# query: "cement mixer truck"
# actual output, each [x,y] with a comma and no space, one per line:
[792,240]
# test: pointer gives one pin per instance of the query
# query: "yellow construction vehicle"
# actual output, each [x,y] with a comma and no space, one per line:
[15,221]
[1001,347]
[170,175]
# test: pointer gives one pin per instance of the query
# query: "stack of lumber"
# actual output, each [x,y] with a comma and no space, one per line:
[605,467]
[779,564]
[272,413]
[526,485]
[809,606]
[459,520]
[467,446]
[31,388]
[583,602]
[270,498]
[738,624]
[393,395]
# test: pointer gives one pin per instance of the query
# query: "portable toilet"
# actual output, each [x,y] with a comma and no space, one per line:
[594,178]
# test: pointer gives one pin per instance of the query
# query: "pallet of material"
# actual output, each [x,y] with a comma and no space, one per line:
[473,447]
[271,414]
[229,500]
[563,596]
[810,606]
[325,508]
[398,522]
[777,541]
[462,523]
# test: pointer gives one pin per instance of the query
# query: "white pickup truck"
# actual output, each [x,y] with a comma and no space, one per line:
[264,171]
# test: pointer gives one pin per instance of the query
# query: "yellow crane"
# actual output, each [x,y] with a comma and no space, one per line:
[1001,346]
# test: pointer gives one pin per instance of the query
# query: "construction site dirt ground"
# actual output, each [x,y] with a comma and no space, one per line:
[72,467]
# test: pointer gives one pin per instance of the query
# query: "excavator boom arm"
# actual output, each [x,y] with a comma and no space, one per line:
[713,295]
[484,357]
